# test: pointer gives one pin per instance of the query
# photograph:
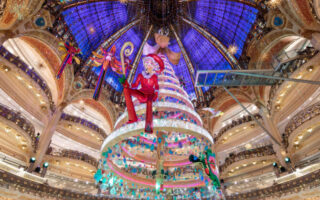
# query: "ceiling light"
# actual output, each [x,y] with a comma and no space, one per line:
[300,76]
[309,130]
[289,86]
[244,165]
[300,137]
[7,129]
[19,77]
[248,146]
[296,142]
[29,86]
[254,163]
[92,30]
[310,68]
[233,49]
[38,95]
[274,3]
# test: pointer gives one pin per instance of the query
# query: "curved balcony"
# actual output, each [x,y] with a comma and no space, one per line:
[83,122]
[288,68]
[17,184]
[20,121]
[29,72]
[307,182]
[66,153]
[299,119]
[245,155]
[238,122]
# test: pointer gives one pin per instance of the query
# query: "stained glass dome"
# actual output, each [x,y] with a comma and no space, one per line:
[91,23]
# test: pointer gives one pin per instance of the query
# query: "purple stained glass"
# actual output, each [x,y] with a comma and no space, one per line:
[93,23]
[229,21]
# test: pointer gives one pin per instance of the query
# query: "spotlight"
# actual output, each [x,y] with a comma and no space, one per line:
[46,165]
[32,160]
[275,164]
[287,160]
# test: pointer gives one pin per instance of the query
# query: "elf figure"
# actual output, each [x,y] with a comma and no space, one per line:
[148,92]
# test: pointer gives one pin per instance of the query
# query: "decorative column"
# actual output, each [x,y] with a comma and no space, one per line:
[273,129]
[315,41]
[47,133]
[3,38]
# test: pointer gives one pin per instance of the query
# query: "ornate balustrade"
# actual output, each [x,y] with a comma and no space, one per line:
[83,122]
[287,68]
[66,153]
[23,123]
[240,121]
[29,72]
[15,183]
[299,119]
[295,186]
[252,153]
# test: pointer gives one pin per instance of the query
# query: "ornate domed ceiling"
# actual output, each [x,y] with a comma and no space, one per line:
[92,22]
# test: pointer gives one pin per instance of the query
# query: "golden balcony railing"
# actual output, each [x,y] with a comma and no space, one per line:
[252,153]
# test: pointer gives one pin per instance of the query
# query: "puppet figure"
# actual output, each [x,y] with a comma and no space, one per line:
[148,93]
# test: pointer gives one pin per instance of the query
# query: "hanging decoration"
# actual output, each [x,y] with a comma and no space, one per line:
[107,59]
[161,47]
[70,53]
[208,162]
